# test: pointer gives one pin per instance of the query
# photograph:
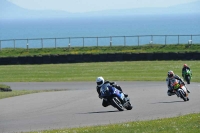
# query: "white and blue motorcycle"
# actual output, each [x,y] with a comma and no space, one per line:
[115,97]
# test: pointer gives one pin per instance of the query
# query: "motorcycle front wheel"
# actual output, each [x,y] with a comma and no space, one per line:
[129,106]
[187,79]
[182,95]
[117,103]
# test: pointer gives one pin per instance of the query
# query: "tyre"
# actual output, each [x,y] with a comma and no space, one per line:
[188,99]
[129,106]
[117,104]
[182,95]
[187,79]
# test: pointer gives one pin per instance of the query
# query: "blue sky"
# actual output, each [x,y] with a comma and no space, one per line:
[81,6]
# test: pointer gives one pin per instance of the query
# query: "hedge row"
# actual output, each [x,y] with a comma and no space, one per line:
[69,58]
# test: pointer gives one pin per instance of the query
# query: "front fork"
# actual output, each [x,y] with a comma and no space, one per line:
[184,89]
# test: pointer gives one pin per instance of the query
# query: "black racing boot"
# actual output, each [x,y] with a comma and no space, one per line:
[126,95]
[188,99]
[188,91]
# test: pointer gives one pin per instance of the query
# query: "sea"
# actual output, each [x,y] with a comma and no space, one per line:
[100,31]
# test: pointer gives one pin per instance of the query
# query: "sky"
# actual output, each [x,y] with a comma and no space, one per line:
[81,6]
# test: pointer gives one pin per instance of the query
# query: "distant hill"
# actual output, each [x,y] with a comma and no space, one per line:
[12,11]
[189,8]
[9,10]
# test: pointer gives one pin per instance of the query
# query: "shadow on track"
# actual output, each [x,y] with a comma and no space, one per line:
[168,102]
[100,112]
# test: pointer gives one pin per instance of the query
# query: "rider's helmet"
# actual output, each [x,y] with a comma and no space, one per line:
[170,74]
[100,81]
[185,65]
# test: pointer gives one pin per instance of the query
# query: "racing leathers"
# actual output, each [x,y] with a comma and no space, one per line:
[104,102]
[170,91]
[184,70]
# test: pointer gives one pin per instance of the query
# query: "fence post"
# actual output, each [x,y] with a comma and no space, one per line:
[178,39]
[55,44]
[14,43]
[42,42]
[124,40]
[83,41]
[97,42]
[27,45]
[138,40]
[110,41]
[69,43]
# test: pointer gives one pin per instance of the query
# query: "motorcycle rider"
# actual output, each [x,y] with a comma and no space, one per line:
[170,76]
[100,81]
[185,66]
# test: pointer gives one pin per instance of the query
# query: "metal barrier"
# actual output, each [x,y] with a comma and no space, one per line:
[136,40]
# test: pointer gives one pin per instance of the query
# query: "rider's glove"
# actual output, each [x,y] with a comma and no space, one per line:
[100,97]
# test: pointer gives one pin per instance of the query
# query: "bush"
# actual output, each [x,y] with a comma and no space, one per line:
[5,88]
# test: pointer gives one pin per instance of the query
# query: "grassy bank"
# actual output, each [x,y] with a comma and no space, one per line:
[182,124]
[22,92]
[118,71]
[6,52]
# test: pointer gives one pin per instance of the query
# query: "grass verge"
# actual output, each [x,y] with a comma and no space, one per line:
[117,71]
[4,87]
[181,124]
[22,92]
[10,52]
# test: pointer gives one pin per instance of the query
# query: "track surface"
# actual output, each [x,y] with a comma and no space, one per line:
[80,106]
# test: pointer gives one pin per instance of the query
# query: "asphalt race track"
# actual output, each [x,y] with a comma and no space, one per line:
[79,106]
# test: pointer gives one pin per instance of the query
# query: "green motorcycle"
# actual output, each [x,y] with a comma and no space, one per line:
[187,75]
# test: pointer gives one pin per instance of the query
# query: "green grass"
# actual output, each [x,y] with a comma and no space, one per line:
[10,52]
[117,71]
[181,124]
[21,92]
[4,87]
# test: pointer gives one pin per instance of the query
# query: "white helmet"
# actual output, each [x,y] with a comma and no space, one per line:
[100,81]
